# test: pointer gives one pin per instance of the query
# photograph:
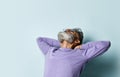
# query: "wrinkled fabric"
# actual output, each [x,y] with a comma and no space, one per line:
[66,62]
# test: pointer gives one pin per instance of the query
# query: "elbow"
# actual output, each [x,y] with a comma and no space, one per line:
[39,39]
[106,44]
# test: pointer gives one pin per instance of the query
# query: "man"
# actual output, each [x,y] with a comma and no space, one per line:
[68,56]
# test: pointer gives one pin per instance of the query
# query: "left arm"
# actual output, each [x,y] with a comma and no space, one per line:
[46,43]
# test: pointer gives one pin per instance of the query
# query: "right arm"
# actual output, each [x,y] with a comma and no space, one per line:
[94,49]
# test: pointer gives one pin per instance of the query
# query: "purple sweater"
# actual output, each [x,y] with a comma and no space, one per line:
[66,62]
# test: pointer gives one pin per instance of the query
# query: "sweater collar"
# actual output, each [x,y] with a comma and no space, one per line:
[66,49]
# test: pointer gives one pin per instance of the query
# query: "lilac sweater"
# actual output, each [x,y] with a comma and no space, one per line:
[66,62]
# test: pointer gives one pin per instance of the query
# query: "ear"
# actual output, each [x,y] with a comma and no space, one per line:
[77,41]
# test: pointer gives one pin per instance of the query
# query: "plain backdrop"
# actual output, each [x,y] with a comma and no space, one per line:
[22,21]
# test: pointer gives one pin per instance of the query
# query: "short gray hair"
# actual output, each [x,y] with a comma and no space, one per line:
[70,37]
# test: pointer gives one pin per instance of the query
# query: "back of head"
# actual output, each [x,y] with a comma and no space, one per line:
[70,35]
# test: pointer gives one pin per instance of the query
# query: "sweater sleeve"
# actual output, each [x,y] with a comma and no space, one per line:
[46,44]
[94,49]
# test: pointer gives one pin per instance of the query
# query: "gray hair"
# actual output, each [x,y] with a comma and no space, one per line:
[65,36]
[70,37]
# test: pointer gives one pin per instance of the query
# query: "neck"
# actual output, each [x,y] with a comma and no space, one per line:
[66,45]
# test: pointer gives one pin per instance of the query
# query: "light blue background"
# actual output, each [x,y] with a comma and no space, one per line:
[22,21]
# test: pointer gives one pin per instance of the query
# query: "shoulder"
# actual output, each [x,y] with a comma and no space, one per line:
[53,49]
